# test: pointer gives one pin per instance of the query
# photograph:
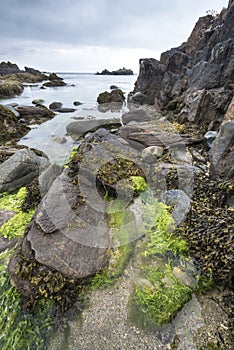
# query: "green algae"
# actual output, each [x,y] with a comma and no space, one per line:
[158,301]
[163,285]
[139,184]
[15,227]
[20,330]
[121,222]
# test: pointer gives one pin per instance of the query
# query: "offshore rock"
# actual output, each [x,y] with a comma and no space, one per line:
[121,71]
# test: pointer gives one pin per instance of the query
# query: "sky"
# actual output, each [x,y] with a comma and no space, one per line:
[91,35]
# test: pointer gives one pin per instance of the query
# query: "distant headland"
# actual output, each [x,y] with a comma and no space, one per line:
[121,71]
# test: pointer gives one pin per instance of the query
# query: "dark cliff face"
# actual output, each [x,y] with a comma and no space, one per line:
[195,79]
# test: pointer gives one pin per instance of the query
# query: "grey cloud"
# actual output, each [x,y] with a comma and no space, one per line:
[94,22]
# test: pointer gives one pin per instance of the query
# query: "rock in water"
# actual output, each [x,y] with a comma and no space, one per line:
[115,95]
[80,127]
[40,113]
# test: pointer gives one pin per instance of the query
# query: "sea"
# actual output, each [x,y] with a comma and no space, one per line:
[82,87]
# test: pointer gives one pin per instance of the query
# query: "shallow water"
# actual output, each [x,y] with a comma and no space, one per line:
[81,87]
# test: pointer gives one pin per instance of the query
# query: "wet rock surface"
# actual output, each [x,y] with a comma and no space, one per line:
[38,114]
[80,127]
[5,215]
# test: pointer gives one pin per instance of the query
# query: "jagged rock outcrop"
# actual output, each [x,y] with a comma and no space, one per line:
[195,79]
[8,68]
[54,80]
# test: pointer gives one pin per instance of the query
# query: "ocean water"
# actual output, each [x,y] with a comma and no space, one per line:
[81,87]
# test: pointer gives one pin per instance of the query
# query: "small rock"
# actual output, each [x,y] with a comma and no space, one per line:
[116,95]
[113,87]
[55,105]
[59,139]
[38,101]
[179,153]
[198,156]
[180,202]
[209,138]
[77,103]
[65,110]
[13,110]
[21,121]
[150,154]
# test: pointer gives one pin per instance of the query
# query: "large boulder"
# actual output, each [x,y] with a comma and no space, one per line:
[70,230]
[116,95]
[10,87]
[38,114]
[222,153]
[54,81]
[137,116]
[164,135]
[78,128]
[20,169]
[72,241]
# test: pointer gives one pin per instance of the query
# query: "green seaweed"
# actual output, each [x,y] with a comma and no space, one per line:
[20,330]
[158,293]
[139,184]
[159,226]
[15,227]
[159,300]
[119,255]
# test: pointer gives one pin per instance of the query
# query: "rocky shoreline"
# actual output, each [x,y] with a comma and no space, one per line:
[141,215]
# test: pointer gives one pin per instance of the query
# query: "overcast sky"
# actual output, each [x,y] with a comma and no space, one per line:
[90,35]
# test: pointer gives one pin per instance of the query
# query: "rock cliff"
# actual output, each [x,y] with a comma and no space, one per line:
[194,80]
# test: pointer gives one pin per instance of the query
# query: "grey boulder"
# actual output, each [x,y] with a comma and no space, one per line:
[20,169]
